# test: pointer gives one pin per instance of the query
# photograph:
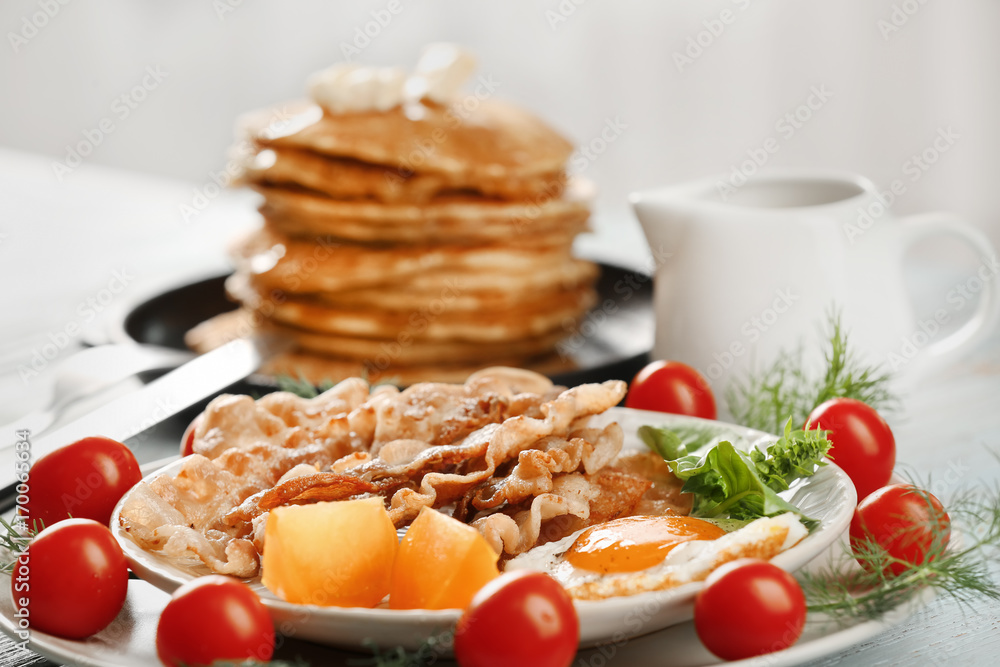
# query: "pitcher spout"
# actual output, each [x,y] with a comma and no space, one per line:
[659,213]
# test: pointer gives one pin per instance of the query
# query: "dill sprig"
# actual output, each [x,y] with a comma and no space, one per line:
[765,400]
[429,652]
[14,538]
[302,387]
[845,594]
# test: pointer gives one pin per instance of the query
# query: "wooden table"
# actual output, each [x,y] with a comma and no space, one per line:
[61,243]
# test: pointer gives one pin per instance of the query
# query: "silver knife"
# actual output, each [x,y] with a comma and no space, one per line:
[89,371]
[133,413]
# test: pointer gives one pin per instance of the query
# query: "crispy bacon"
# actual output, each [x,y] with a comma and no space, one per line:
[429,446]
[575,501]
[589,449]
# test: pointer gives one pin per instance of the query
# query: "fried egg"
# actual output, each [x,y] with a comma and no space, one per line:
[647,553]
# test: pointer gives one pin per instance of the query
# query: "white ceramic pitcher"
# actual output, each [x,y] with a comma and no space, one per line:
[754,269]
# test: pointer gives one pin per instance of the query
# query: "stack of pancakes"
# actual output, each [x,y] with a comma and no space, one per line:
[418,243]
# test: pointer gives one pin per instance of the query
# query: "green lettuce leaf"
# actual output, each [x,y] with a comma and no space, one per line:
[663,441]
[677,441]
[728,482]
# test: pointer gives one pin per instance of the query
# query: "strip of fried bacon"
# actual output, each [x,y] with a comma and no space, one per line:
[434,470]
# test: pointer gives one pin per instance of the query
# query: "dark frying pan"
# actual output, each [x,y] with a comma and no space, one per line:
[613,341]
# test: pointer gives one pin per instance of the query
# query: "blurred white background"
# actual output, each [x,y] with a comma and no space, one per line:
[695,85]
[652,92]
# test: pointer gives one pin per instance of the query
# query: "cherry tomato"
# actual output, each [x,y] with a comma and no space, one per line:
[863,444]
[214,618]
[187,440]
[670,386]
[910,524]
[72,580]
[84,480]
[520,618]
[749,607]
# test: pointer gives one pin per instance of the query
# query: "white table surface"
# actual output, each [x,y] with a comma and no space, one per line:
[61,243]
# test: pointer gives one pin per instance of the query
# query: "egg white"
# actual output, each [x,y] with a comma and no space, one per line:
[687,562]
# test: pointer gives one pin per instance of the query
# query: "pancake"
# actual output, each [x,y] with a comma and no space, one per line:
[569,273]
[318,369]
[465,288]
[343,178]
[387,361]
[473,140]
[457,295]
[405,351]
[219,330]
[454,218]
[456,292]
[295,266]
[532,318]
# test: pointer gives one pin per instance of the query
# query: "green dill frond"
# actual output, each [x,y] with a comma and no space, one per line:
[765,400]
[428,653]
[302,387]
[14,539]
[961,573]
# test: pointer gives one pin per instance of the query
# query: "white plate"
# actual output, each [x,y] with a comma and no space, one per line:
[828,496]
[131,640]
[679,646]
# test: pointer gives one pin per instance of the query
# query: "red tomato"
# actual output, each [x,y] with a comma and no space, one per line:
[670,386]
[214,618]
[187,440]
[520,618]
[910,524]
[84,480]
[862,442]
[72,580]
[749,607]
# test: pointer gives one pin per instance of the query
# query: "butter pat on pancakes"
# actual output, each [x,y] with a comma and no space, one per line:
[351,88]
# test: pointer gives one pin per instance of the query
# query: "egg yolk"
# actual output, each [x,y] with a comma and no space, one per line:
[636,543]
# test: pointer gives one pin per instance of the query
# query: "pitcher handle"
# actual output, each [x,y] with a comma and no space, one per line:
[987,314]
